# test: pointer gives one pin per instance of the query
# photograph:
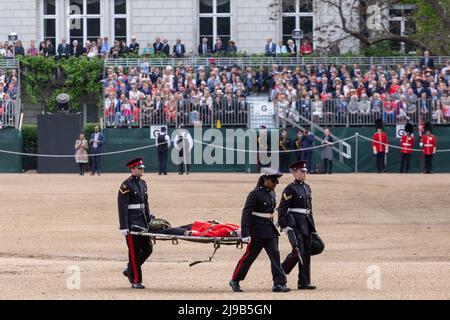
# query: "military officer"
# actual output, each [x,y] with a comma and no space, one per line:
[295,212]
[259,231]
[134,213]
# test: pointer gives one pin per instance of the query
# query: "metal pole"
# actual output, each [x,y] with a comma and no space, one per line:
[356,153]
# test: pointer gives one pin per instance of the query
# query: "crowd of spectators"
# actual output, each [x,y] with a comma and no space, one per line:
[178,95]
[8,96]
[329,93]
[103,48]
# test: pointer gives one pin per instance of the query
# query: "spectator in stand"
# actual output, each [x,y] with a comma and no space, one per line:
[204,48]
[134,46]
[218,46]
[166,47]
[426,61]
[123,48]
[306,48]
[179,49]
[445,106]
[231,47]
[271,48]
[281,49]
[32,50]
[18,49]
[402,106]
[76,49]
[63,50]
[42,48]
[291,48]
[92,51]
[158,45]
[2,50]
[49,49]
[170,110]
[105,47]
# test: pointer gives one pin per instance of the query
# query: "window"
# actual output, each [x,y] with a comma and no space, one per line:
[400,24]
[84,20]
[297,14]
[48,13]
[119,20]
[215,20]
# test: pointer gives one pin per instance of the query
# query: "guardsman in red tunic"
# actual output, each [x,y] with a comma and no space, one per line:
[379,145]
[407,144]
[428,143]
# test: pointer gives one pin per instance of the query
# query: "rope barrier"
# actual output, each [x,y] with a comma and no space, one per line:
[207,144]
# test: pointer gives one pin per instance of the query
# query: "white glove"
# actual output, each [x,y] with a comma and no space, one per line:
[125,232]
[246,239]
[285,230]
[375,152]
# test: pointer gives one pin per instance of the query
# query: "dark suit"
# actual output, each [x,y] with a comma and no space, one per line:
[263,234]
[158,47]
[63,51]
[292,50]
[134,47]
[96,150]
[179,50]
[166,49]
[76,52]
[428,64]
[271,50]
[201,50]
[297,195]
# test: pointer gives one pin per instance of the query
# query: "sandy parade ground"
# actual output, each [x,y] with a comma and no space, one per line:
[387,237]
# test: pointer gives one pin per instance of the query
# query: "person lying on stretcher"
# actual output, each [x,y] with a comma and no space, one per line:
[197,229]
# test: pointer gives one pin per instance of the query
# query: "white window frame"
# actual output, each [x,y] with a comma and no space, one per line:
[298,15]
[113,16]
[49,16]
[215,15]
[84,18]
[402,20]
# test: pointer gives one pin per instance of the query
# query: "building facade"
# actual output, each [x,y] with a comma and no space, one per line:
[248,22]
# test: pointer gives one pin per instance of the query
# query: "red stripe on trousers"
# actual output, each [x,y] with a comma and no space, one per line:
[133,259]
[246,254]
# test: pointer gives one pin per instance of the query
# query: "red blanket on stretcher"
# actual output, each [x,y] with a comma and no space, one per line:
[214,229]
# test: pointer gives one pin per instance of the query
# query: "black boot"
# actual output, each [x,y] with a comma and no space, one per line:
[235,286]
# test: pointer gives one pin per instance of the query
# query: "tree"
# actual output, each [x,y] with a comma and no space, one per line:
[427,24]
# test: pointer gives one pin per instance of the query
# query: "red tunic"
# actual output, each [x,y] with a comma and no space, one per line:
[378,139]
[429,144]
[407,143]
[208,229]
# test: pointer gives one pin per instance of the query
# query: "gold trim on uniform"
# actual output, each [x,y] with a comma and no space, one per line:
[286,197]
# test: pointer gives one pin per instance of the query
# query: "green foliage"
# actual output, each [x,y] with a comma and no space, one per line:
[29,134]
[430,29]
[45,78]
[380,49]
[89,128]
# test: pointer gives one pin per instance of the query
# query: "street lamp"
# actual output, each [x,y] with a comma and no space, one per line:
[13,37]
[297,34]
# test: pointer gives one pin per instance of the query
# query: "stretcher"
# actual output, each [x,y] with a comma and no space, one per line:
[216,241]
